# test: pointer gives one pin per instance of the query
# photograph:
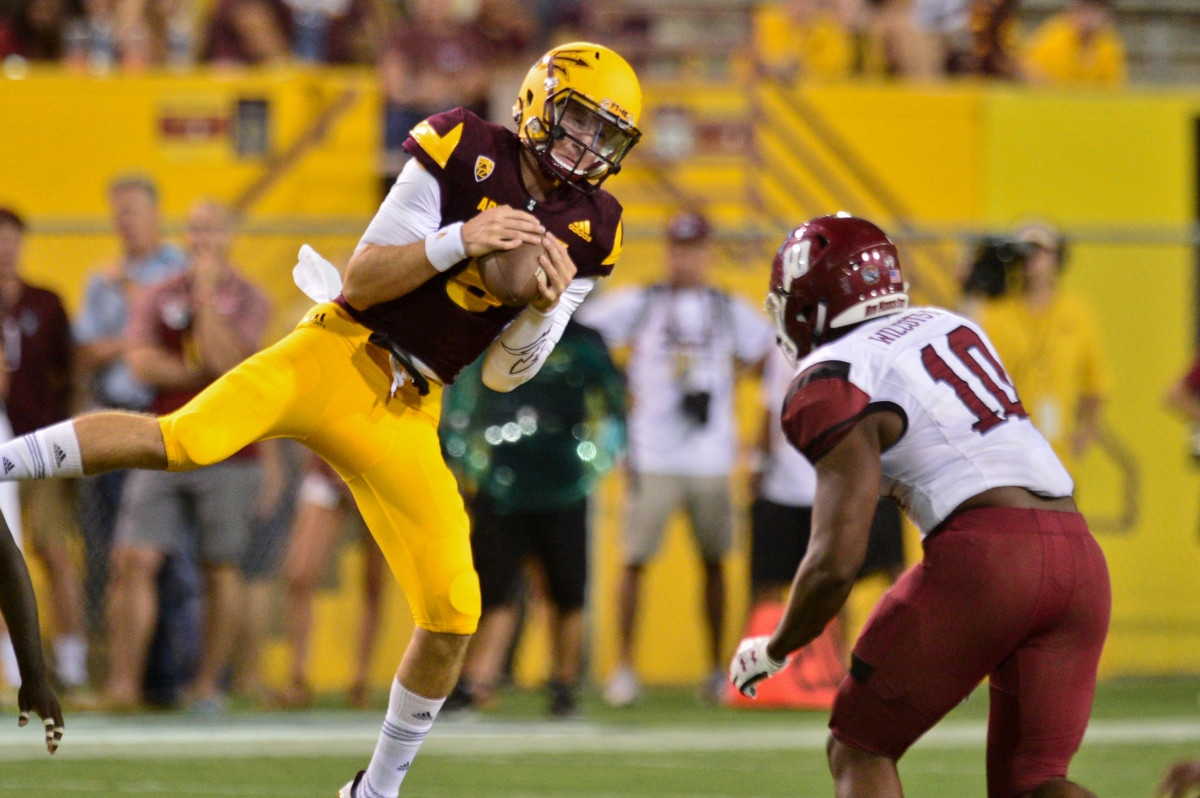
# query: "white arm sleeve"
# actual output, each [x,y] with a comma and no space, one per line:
[411,211]
[523,347]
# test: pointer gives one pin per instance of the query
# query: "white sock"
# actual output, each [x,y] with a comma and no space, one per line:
[47,453]
[409,719]
[8,661]
[70,659]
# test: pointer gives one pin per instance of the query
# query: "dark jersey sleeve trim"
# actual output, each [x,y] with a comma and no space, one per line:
[821,408]
[825,442]
[890,407]
[825,370]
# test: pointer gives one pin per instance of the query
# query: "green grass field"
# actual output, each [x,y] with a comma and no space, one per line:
[669,745]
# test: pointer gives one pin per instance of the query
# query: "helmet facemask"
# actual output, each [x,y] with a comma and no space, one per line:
[794,332]
[577,113]
[600,138]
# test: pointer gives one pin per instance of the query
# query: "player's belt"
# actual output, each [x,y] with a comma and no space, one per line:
[403,358]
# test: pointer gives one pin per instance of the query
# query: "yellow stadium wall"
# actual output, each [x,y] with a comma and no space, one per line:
[957,157]
[981,158]
[65,138]
[1096,161]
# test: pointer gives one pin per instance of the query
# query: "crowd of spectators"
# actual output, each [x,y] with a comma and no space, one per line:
[428,50]
[156,325]
[928,39]
[132,35]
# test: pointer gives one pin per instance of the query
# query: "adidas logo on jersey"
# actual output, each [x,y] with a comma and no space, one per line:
[59,456]
[8,465]
[582,229]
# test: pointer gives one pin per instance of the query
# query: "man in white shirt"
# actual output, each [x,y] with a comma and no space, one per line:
[686,339]
[782,484]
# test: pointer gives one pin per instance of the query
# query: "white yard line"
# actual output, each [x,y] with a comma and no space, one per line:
[91,737]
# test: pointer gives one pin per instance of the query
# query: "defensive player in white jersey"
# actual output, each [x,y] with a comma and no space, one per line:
[1012,587]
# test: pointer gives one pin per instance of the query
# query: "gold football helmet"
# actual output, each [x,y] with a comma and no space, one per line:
[587,95]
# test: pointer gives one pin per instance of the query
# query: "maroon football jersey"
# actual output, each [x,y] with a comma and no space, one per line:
[450,320]
[163,319]
[37,346]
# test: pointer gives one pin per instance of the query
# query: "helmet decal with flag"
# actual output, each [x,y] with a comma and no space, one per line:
[584,94]
[831,273]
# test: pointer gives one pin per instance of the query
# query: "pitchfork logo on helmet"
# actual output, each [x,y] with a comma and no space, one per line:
[584,94]
[826,278]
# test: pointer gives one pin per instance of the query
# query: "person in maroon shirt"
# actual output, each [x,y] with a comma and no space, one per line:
[262,31]
[430,62]
[1184,399]
[184,333]
[37,26]
[37,340]
[38,352]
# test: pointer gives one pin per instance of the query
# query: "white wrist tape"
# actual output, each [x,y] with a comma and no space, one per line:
[444,247]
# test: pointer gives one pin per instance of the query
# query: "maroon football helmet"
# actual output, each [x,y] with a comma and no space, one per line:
[831,273]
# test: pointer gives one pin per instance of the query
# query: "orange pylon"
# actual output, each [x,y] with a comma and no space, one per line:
[811,678]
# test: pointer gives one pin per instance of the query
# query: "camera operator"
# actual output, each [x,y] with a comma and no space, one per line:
[1045,336]
[686,337]
[995,267]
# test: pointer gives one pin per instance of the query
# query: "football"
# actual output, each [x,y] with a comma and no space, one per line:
[510,275]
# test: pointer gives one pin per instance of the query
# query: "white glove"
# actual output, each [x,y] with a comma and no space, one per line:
[751,664]
[316,277]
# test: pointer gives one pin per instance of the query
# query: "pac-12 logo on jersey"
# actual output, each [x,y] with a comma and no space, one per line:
[483,168]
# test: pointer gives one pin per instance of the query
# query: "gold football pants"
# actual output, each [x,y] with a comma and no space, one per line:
[324,386]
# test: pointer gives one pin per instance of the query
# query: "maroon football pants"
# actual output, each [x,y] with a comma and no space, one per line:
[1020,596]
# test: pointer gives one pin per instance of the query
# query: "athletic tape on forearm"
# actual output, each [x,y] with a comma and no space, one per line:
[518,354]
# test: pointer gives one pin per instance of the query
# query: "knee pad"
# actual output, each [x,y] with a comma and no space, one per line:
[454,609]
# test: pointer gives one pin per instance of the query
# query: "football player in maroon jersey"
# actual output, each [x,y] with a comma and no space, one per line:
[360,379]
